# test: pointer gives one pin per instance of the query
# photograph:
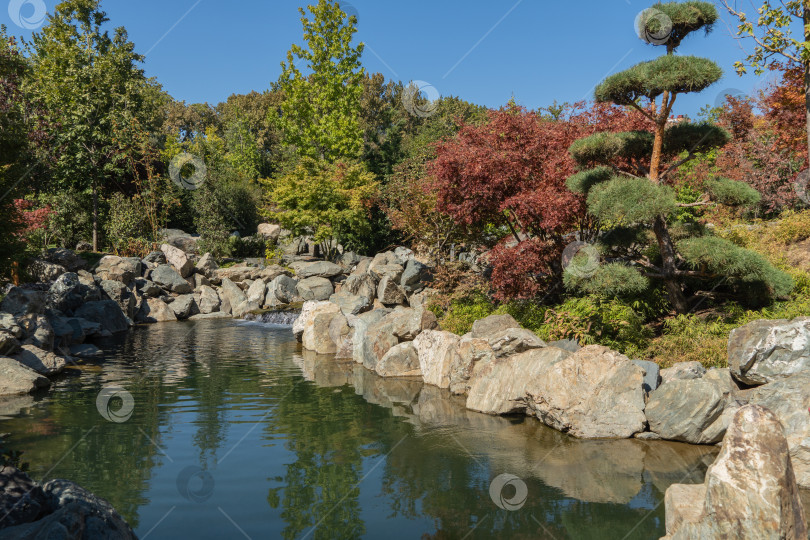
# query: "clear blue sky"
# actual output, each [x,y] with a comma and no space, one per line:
[485,52]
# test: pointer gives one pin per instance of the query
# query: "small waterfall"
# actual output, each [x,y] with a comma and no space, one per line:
[284,317]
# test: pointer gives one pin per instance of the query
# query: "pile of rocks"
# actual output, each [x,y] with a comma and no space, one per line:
[56,509]
[45,327]
[591,392]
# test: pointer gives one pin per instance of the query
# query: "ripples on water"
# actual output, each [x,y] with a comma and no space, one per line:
[238,433]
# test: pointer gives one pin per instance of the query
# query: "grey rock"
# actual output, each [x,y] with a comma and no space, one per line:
[322,269]
[683,371]
[315,288]
[400,361]
[688,411]
[494,324]
[351,304]
[595,393]
[283,288]
[739,499]
[45,272]
[514,341]
[415,276]
[38,331]
[362,345]
[207,265]
[19,301]
[123,269]
[438,352]
[204,316]
[148,288]
[41,361]
[154,258]
[178,259]
[270,231]
[10,324]
[8,343]
[121,295]
[106,313]
[389,292]
[64,257]
[209,300]
[499,386]
[361,285]
[652,374]
[471,352]
[256,292]
[789,400]
[184,306]
[764,351]
[155,310]
[68,293]
[16,378]
[169,279]
[22,500]
[570,345]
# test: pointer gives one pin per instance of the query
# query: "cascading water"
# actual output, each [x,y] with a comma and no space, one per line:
[280,317]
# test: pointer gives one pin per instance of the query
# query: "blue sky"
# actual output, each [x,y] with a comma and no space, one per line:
[483,51]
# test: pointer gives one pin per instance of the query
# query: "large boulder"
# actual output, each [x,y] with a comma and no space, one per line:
[750,491]
[209,300]
[155,310]
[342,334]
[68,293]
[389,292]
[184,306]
[360,285]
[148,288]
[498,386]
[438,352]
[123,269]
[652,371]
[414,276]
[269,231]
[400,361]
[16,378]
[19,301]
[178,259]
[41,361]
[106,313]
[683,371]
[595,393]
[315,289]
[39,332]
[789,400]
[304,327]
[324,269]
[231,293]
[471,352]
[283,288]
[764,351]
[43,271]
[169,279]
[121,295]
[494,324]
[21,499]
[64,257]
[361,342]
[207,265]
[351,304]
[514,341]
[65,511]
[8,343]
[317,337]
[689,411]
[256,292]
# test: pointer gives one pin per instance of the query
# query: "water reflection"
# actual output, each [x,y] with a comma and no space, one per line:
[301,446]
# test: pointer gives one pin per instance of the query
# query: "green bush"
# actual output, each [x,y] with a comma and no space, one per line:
[125,221]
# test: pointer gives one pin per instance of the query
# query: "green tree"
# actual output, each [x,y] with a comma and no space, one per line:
[330,202]
[320,115]
[625,177]
[773,38]
[92,89]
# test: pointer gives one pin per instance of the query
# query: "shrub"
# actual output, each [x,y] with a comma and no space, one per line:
[125,222]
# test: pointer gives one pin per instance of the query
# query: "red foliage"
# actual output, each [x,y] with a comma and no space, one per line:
[785,111]
[30,219]
[511,172]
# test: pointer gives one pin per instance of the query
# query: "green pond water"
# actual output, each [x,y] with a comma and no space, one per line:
[235,432]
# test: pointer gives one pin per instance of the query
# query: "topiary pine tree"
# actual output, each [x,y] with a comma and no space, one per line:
[626,176]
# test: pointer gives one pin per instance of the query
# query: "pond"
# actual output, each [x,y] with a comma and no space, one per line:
[227,429]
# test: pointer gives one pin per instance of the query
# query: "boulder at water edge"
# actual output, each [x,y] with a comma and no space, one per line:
[315,288]
[178,259]
[689,411]
[400,361]
[765,351]
[168,278]
[595,393]
[107,313]
[16,378]
[750,491]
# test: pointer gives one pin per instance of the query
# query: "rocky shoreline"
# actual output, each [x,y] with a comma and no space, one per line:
[372,312]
